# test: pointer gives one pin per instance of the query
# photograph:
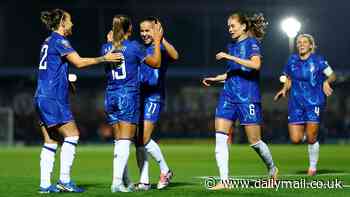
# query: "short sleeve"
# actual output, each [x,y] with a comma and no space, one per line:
[286,69]
[253,48]
[106,48]
[322,63]
[64,47]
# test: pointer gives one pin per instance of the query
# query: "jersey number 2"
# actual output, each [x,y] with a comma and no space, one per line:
[43,61]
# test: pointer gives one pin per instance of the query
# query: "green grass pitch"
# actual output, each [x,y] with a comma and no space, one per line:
[19,170]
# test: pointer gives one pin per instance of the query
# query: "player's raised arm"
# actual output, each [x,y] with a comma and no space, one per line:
[254,62]
[81,62]
[169,48]
[154,60]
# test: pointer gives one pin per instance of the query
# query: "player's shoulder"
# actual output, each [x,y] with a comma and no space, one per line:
[253,42]
[320,60]
[133,43]
[61,41]
[252,39]
[231,44]
[294,57]
[106,47]
[317,57]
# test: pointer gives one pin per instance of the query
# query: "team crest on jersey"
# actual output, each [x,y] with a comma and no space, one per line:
[255,47]
[242,51]
[65,43]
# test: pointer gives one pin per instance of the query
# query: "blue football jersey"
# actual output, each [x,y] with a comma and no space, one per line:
[53,68]
[125,73]
[153,79]
[307,79]
[242,83]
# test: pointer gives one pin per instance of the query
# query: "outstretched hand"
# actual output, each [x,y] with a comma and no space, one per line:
[281,94]
[221,55]
[114,57]
[208,81]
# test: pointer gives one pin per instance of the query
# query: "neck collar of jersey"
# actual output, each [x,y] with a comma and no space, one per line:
[56,34]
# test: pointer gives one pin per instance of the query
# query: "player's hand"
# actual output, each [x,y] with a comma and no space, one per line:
[221,55]
[208,80]
[110,36]
[114,57]
[327,89]
[157,32]
[282,93]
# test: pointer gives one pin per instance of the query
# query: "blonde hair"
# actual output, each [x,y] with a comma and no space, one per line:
[310,38]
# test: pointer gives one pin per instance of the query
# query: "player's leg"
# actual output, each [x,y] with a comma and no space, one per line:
[296,132]
[47,160]
[49,113]
[123,114]
[70,133]
[253,133]
[142,160]
[230,136]
[224,118]
[123,133]
[126,178]
[151,114]
[312,128]
[154,150]
[313,147]
[222,128]
[250,117]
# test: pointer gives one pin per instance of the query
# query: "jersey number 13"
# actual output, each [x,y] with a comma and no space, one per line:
[119,71]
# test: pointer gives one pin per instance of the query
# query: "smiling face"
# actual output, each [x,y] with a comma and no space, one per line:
[304,45]
[235,28]
[146,32]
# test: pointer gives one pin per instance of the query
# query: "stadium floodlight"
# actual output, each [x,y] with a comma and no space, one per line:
[291,27]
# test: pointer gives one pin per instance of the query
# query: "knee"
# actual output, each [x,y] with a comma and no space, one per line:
[146,139]
[311,140]
[74,132]
[295,140]
[50,141]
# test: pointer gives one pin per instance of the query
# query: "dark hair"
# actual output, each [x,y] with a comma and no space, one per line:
[150,19]
[121,25]
[255,24]
[52,18]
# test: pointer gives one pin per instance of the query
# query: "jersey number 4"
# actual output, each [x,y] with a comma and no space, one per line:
[43,55]
[122,71]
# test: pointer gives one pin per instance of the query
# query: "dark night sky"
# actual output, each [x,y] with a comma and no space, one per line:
[196,28]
